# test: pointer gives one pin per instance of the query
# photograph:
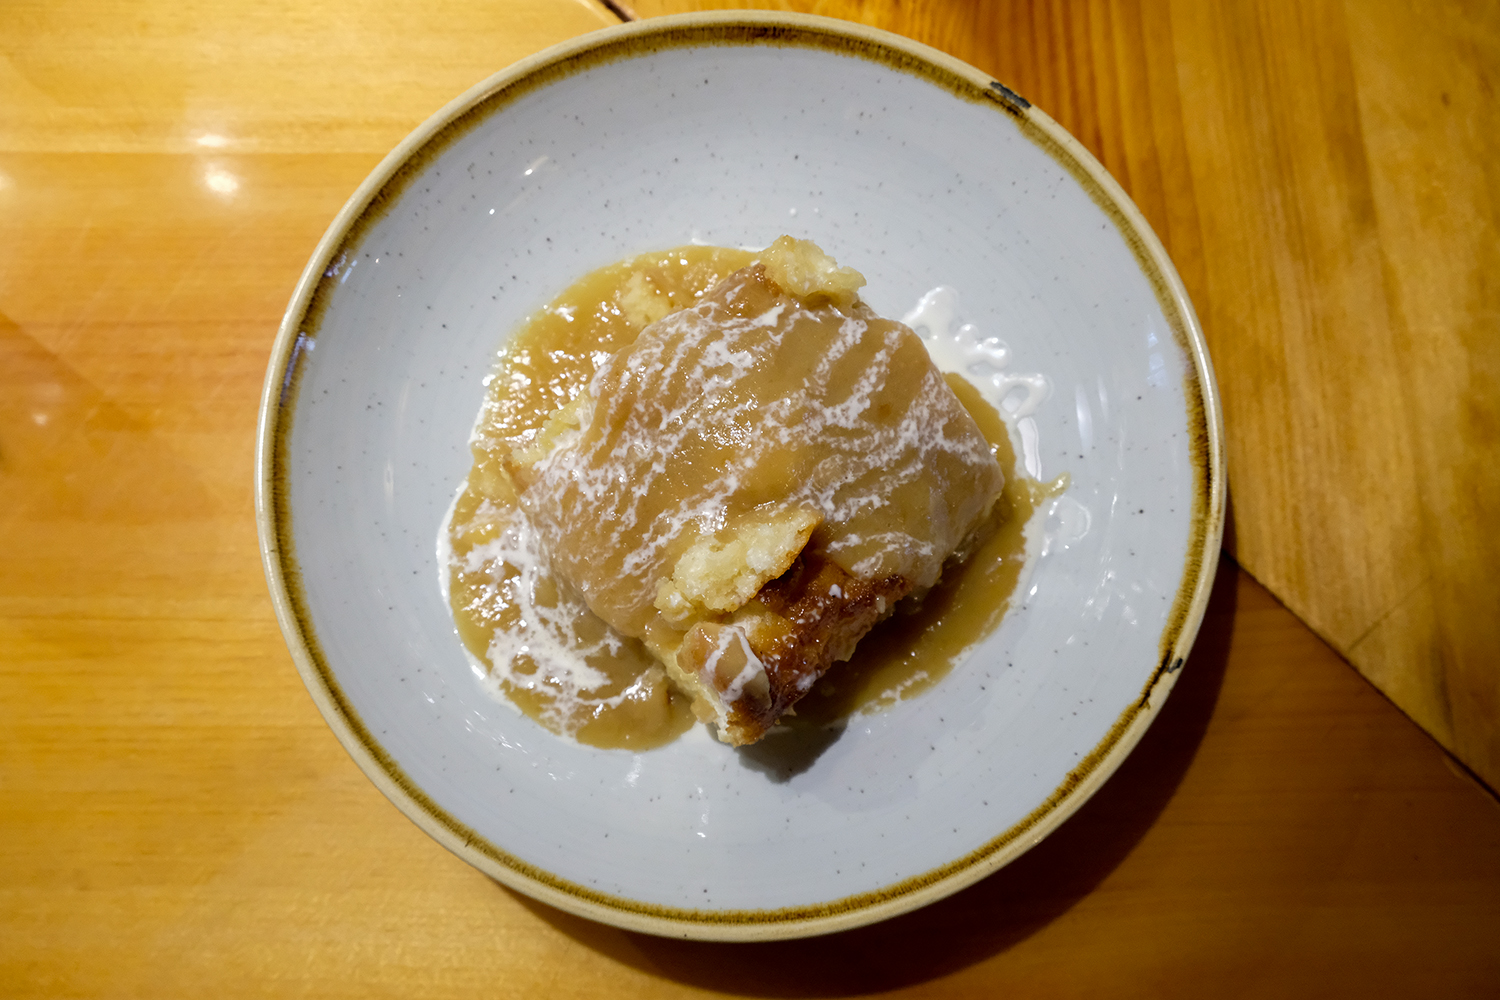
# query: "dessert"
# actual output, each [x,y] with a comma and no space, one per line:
[755,482]
[701,478]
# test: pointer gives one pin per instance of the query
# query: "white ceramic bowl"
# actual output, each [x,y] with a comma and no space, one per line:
[914,168]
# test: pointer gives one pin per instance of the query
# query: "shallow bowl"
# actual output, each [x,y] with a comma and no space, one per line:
[732,129]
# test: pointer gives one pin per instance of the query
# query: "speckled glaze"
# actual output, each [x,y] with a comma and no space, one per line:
[915,169]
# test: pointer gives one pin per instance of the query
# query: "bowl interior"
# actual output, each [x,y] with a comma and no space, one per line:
[650,140]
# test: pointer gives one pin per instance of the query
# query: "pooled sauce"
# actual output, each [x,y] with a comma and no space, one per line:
[538,644]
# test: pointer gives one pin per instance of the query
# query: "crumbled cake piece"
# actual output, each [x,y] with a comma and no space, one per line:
[722,576]
[803,270]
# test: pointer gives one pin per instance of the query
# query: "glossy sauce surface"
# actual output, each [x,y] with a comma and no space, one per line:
[545,651]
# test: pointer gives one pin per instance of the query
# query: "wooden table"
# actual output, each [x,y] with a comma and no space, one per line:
[175,818]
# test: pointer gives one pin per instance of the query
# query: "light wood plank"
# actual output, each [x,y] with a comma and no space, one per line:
[112,76]
[1427,99]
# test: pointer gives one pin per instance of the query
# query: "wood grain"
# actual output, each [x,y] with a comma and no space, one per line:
[1325,179]
[1281,831]
[175,817]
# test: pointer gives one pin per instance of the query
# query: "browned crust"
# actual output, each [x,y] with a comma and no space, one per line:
[825,611]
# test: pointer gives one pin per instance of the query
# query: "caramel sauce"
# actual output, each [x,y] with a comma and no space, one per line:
[916,647]
[563,666]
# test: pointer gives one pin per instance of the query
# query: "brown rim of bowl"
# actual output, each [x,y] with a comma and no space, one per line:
[632,40]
